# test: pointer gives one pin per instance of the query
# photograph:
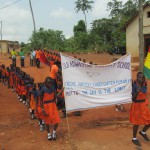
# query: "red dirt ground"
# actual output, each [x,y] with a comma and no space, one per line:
[96,129]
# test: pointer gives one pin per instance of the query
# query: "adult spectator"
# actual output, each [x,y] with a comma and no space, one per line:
[32,58]
[13,57]
[22,57]
[38,53]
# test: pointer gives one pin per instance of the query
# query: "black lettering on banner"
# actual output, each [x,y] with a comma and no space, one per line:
[65,65]
[124,65]
[72,93]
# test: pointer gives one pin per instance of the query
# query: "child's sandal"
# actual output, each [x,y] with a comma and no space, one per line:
[49,137]
[54,136]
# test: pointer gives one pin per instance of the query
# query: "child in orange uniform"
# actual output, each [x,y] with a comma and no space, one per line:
[49,108]
[139,113]
[7,77]
[38,110]
[11,78]
[3,74]
[32,95]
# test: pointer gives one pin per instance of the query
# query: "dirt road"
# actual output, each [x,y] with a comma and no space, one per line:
[96,129]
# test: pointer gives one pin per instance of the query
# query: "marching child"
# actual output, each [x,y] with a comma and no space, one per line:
[38,110]
[29,86]
[11,77]
[3,74]
[32,95]
[49,108]
[23,89]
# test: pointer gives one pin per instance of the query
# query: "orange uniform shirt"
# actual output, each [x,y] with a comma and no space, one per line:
[53,72]
[38,54]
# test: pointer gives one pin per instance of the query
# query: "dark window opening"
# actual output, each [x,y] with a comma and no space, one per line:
[148,14]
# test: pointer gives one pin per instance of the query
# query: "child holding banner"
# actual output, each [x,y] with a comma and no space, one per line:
[139,113]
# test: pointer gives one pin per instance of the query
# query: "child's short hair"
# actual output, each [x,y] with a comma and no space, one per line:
[40,85]
[11,66]
[27,76]
[31,80]
[3,66]
[49,79]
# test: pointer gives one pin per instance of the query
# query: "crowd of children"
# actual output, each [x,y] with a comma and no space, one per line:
[40,98]
[43,99]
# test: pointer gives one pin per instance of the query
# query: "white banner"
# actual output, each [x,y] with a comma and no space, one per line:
[90,86]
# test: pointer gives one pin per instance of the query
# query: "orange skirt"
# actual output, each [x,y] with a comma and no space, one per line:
[23,90]
[11,82]
[39,113]
[32,104]
[140,114]
[52,114]
[18,89]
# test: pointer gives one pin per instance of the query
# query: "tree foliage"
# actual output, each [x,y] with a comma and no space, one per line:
[84,6]
[80,36]
[105,34]
[47,38]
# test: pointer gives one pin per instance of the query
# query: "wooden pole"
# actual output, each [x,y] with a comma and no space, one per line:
[32,15]
[141,39]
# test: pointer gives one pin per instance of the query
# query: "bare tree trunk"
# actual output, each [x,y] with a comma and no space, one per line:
[141,39]
[32,15]
[85,20]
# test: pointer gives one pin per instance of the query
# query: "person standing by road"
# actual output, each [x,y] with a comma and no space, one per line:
[13,57]
[38,54]
[22,57]
[32,58]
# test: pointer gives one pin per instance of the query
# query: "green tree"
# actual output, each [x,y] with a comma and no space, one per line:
[79,28]
[101,34]
[69,45]
[84,6]
[22,44]
[115,8]
[47,38]
[80,36]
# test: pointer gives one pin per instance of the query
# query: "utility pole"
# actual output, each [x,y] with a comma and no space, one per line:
[141,38]
[1,36]
[32,15]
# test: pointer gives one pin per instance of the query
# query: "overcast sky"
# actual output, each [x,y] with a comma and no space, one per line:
[49,14]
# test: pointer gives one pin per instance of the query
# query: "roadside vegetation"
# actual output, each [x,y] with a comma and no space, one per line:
[105,35]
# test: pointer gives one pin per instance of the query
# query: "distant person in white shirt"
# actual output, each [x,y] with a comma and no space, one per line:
[32,58]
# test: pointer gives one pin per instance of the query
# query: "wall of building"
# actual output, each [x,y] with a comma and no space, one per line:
[132,30]
[4,46]
[146,21]
[132,38]
[9,46]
